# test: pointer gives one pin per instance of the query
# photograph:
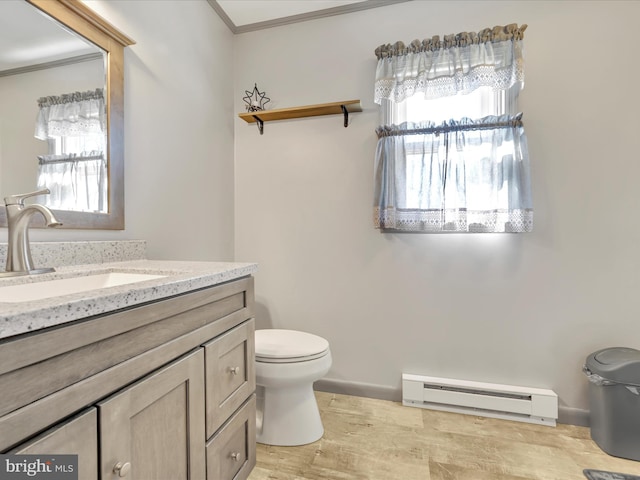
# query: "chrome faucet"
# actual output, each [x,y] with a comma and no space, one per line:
[19,261]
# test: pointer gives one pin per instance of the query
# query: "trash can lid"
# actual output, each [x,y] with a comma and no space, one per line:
[618,364]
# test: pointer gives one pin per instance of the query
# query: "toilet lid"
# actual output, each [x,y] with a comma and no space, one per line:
[275,344]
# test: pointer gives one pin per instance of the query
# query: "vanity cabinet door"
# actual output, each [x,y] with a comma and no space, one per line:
[155,428]
[231,453]
[230,373]
[77,436]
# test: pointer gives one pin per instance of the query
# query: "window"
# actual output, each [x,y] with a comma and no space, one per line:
[452,153]
[477,104]
[77,144]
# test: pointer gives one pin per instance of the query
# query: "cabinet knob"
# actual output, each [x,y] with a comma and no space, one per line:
[234,370]
[235,456]
[122,469]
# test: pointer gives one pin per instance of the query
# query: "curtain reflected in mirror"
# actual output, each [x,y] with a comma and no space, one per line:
[74,169]
[59,90]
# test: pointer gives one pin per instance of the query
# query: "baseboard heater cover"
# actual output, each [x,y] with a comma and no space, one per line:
[508,402]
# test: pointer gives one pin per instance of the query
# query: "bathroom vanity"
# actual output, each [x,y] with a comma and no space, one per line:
[152,379]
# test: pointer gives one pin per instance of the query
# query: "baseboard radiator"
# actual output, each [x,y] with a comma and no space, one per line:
[531,405]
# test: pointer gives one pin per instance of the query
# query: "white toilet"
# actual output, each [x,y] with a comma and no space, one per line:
[287,364]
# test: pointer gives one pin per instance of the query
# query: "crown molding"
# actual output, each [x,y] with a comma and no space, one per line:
[303,17]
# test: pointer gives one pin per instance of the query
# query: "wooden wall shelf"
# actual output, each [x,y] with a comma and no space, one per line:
[335,108]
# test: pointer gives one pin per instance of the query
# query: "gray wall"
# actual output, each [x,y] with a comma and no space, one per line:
[515,309]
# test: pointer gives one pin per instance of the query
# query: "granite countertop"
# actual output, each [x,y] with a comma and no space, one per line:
[180,277]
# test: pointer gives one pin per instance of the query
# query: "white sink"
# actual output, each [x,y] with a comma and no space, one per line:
[28,292]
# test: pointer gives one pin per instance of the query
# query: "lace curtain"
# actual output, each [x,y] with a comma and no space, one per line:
[75,182]
[463,175]
[74,114]
[75,170]
[458,64]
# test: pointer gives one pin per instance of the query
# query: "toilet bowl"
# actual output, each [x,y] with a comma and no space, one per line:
[287,364]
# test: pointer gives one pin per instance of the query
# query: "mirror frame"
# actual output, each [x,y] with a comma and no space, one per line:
[79,18]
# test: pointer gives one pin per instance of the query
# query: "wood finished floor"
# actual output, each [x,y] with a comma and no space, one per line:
[381,440]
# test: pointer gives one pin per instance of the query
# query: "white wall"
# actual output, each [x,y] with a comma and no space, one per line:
[517,309]
[178,130]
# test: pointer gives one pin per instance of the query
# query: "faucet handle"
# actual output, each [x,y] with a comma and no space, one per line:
[18,199]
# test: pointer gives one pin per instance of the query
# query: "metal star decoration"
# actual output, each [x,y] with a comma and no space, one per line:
[255,99]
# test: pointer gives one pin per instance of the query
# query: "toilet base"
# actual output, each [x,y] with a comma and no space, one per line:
[288,416]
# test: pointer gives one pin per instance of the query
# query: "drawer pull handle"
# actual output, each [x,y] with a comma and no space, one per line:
[122,469]
[236,456]
[234,370]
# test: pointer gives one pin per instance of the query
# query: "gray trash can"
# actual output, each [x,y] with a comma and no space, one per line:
[614,400]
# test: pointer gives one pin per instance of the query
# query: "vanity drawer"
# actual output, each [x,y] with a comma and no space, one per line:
[229,373]
[231,453]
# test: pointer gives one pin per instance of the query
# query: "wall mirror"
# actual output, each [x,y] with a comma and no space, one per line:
[55,52]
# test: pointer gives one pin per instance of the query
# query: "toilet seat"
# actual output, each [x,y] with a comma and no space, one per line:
[288,346]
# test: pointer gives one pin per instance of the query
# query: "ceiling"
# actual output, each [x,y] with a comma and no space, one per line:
[45,41]
[249,15]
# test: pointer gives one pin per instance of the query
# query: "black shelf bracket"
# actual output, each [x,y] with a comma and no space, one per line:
[260,124]
[345,112]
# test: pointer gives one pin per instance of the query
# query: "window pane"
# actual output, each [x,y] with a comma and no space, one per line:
[480,103]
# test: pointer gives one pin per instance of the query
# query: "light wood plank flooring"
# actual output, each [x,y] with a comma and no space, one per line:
[380,440]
